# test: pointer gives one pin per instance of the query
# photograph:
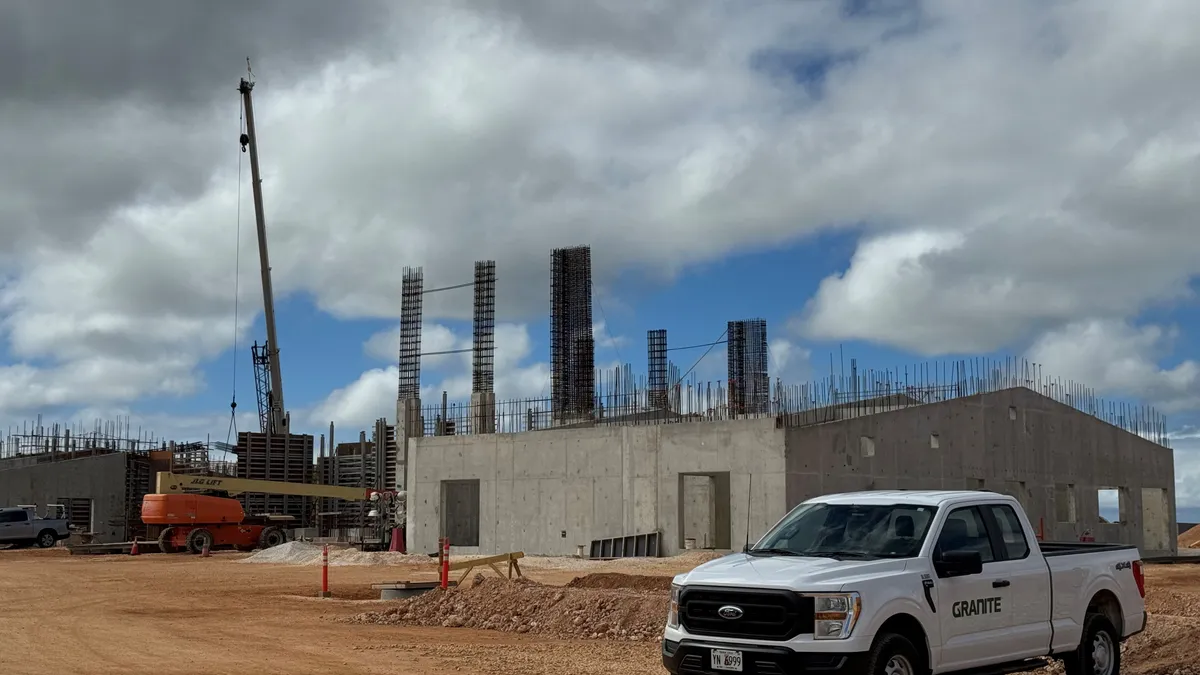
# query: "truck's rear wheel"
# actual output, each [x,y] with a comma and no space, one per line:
[272,536]
[46,539]
[893,654]
[1099,652]
[198,539]
[164,540]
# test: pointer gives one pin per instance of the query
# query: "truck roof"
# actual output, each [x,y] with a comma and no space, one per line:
[915,497]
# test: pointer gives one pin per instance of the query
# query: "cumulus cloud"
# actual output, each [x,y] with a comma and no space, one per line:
[1116,356]
[373,394]
[1003,192]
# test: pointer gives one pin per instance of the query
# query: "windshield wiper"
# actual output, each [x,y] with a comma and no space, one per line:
[775,551]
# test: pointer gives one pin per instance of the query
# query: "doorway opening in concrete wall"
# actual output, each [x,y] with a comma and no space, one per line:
[1156,521]
[1112,505]
[460,512]
[704,511]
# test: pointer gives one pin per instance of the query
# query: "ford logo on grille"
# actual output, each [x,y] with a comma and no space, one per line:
[730,612]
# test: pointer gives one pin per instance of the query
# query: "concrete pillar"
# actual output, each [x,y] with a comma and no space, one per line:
[408,425]
[483,412]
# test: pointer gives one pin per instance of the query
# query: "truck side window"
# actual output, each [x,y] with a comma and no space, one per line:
[12,517]
[1015,544]
[964,531]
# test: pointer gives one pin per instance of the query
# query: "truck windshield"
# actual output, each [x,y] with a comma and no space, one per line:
[849,531]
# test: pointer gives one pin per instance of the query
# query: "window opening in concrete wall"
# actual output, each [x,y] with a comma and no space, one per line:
[1156,522]
[460,512]
[704,511]
[866,446]
[934,441]
[976,483]
[1111,505]
[1064,503]
[1012,412]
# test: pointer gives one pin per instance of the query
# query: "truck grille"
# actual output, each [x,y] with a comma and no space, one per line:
[767,615]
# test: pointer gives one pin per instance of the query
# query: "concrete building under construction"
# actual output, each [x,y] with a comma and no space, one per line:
[702,483]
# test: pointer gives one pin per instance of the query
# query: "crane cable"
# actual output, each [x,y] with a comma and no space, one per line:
[237,277]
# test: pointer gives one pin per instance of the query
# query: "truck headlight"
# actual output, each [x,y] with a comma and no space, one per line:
[673,608]
[835,615]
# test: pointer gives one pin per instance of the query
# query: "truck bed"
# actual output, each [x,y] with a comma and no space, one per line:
[1052,549]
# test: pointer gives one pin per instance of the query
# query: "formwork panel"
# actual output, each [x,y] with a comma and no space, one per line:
[275,457]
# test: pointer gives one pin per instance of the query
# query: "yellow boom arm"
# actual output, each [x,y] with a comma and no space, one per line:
[173,483]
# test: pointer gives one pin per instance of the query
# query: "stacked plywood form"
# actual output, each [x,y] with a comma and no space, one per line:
[283,457]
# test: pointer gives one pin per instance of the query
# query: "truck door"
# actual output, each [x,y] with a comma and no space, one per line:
[972,609]
[1028,582]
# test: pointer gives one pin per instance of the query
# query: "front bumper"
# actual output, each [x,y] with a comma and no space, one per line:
[688,657]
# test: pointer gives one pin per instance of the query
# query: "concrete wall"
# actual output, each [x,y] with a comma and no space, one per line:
[101,479]
[546,492]
[1013,441]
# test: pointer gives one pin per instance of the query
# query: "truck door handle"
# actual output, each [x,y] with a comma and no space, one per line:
[1003,583]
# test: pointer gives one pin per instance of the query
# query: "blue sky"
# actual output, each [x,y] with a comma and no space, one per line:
[898,180]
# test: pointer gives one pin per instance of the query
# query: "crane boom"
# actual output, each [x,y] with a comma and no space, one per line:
[278,421]
[173,483]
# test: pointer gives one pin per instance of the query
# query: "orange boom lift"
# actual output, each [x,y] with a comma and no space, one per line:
[192,513]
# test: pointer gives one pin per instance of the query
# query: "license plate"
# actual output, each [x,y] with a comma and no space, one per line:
[726,659]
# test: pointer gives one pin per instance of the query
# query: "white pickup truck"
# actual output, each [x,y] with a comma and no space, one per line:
[906,583]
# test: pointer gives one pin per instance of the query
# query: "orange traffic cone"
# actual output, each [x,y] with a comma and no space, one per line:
[204,552]
[133,550]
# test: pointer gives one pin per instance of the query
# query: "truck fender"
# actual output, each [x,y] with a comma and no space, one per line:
[912,607]
[908,612]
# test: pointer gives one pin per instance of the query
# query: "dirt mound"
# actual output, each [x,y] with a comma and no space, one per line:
[304,553]
[522,606]
[613,580]
[1191,538]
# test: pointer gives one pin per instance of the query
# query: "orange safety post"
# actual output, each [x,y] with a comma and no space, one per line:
[445,563]
[133,550]
[325,572]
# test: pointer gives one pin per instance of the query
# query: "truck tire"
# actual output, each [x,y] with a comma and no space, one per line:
[272,536]
[198,539]
[1099,652]
[893,654]
[47,539]
[164,540]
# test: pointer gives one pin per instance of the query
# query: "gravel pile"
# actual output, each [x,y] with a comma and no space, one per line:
[304,553]
[522,606]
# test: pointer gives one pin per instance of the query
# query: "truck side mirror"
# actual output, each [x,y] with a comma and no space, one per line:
[958,564]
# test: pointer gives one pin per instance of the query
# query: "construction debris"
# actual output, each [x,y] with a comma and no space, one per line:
[522,606]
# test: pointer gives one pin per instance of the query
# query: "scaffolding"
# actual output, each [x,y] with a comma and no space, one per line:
[483,349]
[411,297]
[572,347]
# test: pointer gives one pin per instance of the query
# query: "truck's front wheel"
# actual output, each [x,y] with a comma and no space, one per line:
[893,654]
[1099,652]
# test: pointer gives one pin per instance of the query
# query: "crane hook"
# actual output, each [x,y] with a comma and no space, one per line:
[245,139]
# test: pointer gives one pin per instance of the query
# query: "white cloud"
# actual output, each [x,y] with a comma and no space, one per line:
[373,394]
[1007,193]
[1186,443]
[1115,356]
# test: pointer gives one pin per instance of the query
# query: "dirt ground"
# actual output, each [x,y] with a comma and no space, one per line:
[204,616]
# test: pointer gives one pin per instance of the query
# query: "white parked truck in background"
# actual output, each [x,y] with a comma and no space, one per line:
[906,583]
[20,527]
